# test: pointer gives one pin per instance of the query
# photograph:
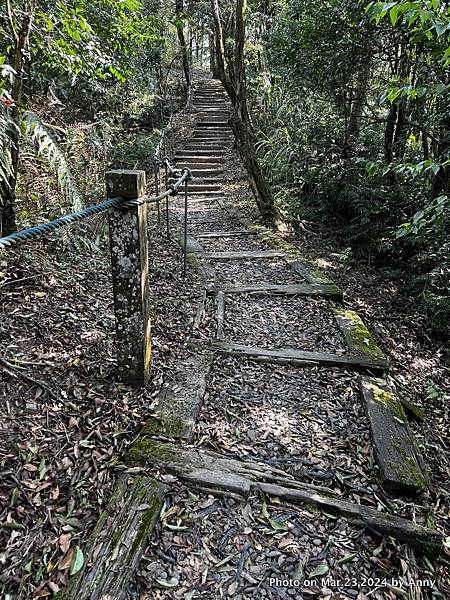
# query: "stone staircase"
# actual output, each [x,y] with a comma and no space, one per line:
[205,152]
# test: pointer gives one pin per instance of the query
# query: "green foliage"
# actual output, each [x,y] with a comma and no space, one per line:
[47,146]
[353,124]
[90,39]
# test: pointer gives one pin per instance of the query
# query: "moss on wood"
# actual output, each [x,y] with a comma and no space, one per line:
[145,450]
[115,547]
[358,337]
[401,464]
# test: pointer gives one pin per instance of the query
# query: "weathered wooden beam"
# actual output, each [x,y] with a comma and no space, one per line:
[359,339]
[243,255]
[307,289]
[209,470]
[220,315]
[129,260]
[288,356]
[294,258]
[115,547]
[396,452]
[180,400]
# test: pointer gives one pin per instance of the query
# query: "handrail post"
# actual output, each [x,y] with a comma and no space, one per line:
[129,260]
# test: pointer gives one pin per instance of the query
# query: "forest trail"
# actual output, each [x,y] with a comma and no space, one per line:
[265,430]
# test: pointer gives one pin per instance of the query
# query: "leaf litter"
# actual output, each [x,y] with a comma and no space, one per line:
[64,416]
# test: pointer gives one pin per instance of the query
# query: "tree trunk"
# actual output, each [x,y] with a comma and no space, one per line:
[441,183]
[233,79]
[7,188]
[357,106]
[389,135]
[179,7]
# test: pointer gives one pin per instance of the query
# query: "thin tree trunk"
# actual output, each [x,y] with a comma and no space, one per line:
[389,134]
[233,80]
[8,188]
[179,7]
[357,106]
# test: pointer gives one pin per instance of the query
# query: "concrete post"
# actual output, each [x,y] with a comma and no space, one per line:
[129,259]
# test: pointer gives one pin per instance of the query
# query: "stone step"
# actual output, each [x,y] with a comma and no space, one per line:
[206,143]
[198,165]
[202,152]
[209,142]
[211,123]
[214,111]
[202,181]
[210,194]
[225,134]
[201,149]
[194,187]
[207,173]
[188,160]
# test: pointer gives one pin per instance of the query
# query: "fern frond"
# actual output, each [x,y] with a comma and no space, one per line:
[47,146]
[6,123]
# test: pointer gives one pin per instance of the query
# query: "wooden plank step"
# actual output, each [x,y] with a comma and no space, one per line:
[114,549]
[396,452]
[297,357]
[180,401]
[359,339]
[267,289]
[212,471]
[244,255]
[293,257]
[212,137]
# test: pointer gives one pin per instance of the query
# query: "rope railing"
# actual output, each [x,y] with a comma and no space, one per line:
[128,233]
[20,237]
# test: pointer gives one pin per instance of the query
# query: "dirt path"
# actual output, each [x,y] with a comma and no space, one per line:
[300,410]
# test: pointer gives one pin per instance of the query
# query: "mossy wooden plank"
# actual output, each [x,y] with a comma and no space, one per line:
[396,453]
[266,289]
[209,470]
[358,337]
[181,399]
[297,357]
[114,550]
